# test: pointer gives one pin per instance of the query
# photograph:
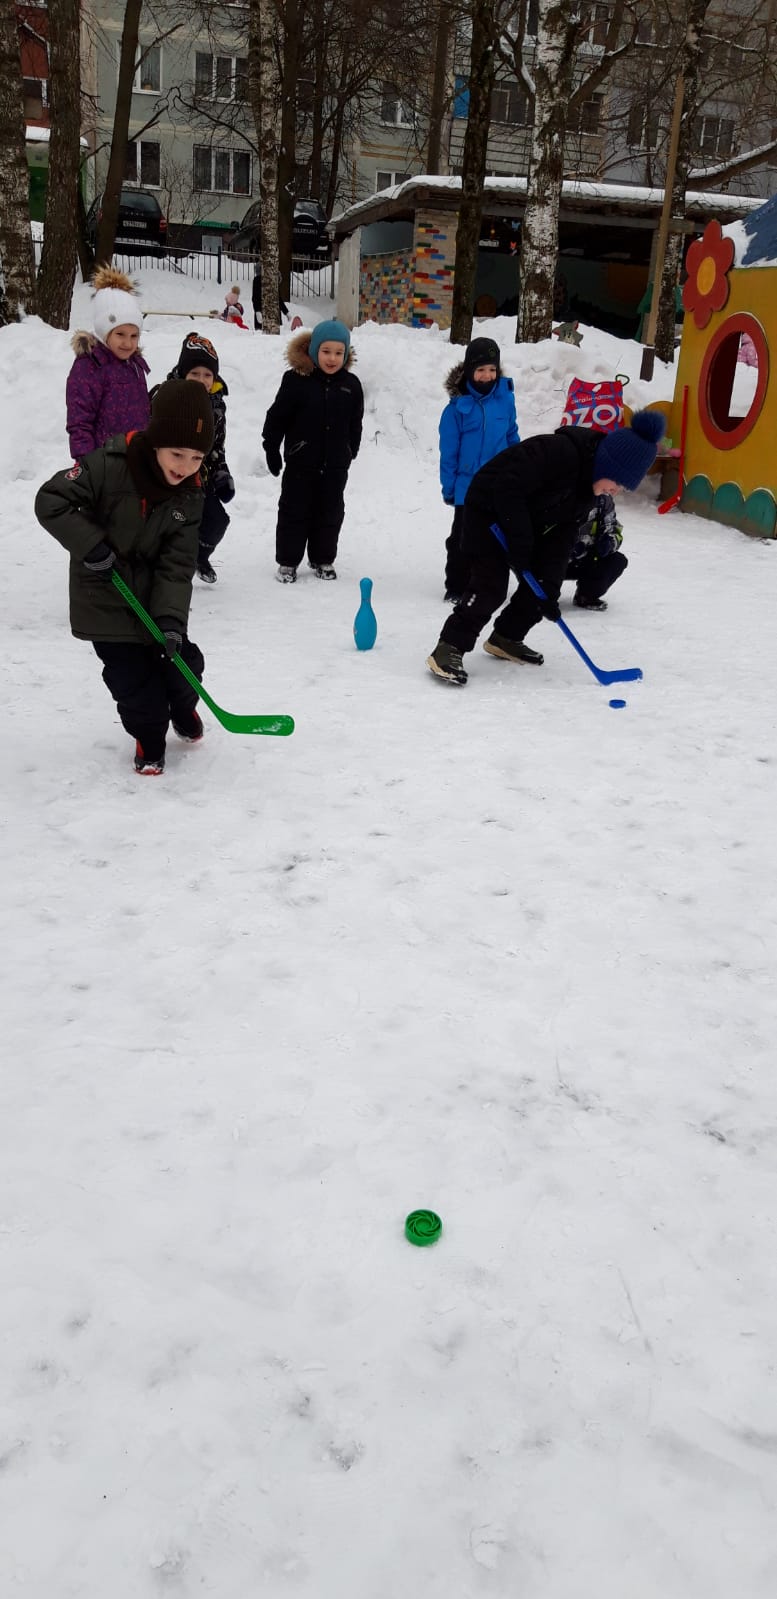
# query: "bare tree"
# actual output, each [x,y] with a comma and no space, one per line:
[264,89]
[688,70]
[17,264]
[106,227]
[481,83]
[58,258]
[439,96]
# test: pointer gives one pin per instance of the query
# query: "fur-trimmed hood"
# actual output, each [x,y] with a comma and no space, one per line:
[298,355]
[83,343]
[456,383]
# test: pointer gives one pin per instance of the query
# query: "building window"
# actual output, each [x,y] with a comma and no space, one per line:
[148,78]
[510,104]
[594,22]
[221,171]
[220,77]
[585,118]
[713,136]
[642,128]
[393,109]
[142,165]
[388,180]
[35,98]
[532,18]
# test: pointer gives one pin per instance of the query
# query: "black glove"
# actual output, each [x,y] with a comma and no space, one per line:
[173,633]
[224,485]
[448,500]
[100,560]
[550,610]
[273,458]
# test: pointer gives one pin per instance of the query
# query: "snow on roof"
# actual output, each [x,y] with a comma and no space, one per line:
[635,196]
[755,237]
[33,135]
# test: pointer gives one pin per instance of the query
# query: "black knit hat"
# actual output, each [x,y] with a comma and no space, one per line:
[481,352]
[196,350]
[181,417]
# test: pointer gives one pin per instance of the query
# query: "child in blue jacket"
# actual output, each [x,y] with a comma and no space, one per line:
[478,422]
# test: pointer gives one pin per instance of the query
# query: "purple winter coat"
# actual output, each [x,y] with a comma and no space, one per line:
[104,395]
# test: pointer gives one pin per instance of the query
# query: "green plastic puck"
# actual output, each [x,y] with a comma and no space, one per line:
[422,1227]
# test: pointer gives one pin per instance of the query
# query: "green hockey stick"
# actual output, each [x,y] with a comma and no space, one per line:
[280,725]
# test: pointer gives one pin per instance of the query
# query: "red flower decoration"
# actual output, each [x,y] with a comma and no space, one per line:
[707,264]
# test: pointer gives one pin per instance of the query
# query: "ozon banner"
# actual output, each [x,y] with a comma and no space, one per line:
[594,405]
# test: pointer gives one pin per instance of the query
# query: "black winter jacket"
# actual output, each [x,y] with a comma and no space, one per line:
[320,418]
[543,485]
[156,548]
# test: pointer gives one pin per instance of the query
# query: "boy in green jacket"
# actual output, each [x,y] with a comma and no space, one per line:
[136,505]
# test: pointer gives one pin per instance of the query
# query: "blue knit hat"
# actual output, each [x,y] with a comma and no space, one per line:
[325,332]
[627,454]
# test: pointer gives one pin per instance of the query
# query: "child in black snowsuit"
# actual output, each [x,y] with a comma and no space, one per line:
[597,560]
[199,363]
[135,504]
[318,411]
[536,495]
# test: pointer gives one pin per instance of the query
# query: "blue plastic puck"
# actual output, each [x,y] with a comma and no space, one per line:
[617,705]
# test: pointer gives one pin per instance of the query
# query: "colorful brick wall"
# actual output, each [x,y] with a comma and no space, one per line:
[434,243]
[412,285]
[385,283]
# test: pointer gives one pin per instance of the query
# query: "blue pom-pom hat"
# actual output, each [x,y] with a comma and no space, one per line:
[625,455]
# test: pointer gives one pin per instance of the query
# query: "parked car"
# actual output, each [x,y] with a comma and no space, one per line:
[309,237]
[141,225]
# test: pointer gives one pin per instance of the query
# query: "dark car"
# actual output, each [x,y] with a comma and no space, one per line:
[141,225]
[309,237]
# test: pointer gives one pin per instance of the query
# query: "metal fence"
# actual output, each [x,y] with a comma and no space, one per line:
[309,279]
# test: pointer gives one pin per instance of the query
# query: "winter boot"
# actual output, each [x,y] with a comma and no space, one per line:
[148,765]
[510,649]
[445,661]
[588,602]
[326,571]
[286,574]
[192,730]
[205,572]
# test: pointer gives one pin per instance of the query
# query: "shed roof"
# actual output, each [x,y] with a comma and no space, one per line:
[507,196]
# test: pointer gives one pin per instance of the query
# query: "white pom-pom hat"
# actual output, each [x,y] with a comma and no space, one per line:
[115,305]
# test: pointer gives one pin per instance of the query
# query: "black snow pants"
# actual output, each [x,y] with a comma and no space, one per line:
[594,575]
[213,526]
[310,512]
[149,690]
[456,563]
[489,578]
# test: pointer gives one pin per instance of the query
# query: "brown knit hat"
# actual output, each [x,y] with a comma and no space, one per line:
[181,417]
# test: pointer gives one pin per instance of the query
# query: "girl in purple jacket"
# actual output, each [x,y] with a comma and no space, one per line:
[106,388]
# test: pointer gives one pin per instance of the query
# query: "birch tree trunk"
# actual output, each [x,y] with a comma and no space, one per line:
[60,233]
[287,155]
[481,82]
[553,70]
[264,90]
[106,227]
[689,66]
[17,261]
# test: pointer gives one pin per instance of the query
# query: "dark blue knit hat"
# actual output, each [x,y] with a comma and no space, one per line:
[331,331]
[626,454]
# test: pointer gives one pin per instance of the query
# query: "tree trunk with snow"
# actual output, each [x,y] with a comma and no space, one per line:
[17,261]
[117,162]
[553,71]
[481,83]
[58,259]
[264,90]
[689,66]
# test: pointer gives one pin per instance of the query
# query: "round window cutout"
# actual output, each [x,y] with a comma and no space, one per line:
[733,381]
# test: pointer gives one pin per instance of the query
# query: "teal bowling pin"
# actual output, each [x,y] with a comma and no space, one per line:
[365,625]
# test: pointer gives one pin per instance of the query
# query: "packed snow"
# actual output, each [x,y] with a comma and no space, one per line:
[501,951]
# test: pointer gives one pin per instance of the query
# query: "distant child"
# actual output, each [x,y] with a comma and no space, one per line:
[478,421]
[233,310]
[318,411]
[199,363]
[256,297]
[135,505]
[597,560]
[522,513]
[106,388]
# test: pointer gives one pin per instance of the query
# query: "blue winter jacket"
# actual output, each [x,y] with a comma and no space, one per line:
[473,429]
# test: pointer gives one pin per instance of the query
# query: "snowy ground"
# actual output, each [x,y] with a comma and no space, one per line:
[503,952]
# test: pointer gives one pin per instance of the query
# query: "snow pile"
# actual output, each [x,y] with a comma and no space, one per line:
[498,951]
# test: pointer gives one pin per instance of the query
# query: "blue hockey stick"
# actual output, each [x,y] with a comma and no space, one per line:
[629,674]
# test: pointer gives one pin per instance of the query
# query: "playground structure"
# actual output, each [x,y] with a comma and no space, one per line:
[728,468]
